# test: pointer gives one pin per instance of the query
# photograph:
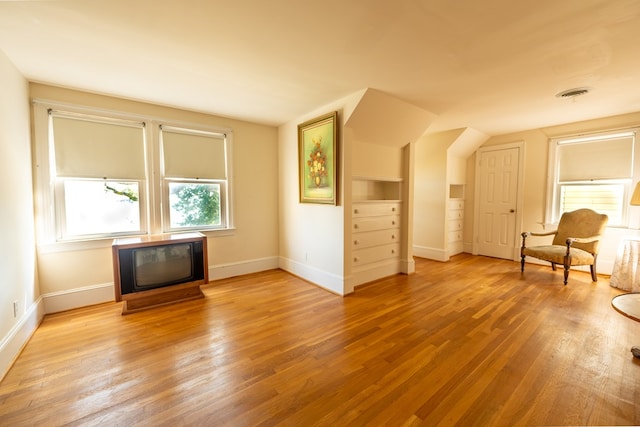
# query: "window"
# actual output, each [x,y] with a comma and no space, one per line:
[194,178]
[95,207]
[592,172]
[98,168]
[106,174]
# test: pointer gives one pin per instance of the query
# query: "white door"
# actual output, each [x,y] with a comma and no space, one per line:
[498,171]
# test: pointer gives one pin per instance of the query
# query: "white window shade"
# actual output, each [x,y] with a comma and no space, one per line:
[194,156]
[596,160]
[92,149]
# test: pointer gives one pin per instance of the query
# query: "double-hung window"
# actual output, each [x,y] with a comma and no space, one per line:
[99,175]
[194,178]
[592,172]
[108,174]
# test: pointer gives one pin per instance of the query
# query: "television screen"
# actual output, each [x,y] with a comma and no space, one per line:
[161,265]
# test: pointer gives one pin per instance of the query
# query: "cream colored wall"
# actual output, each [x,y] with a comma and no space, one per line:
[456,170]
[377,161]
[18,276]
[430,194]
[255,169]
[315,239]
[312,235]
[535,179]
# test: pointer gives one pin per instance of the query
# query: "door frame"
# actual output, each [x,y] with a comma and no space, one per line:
[519,195]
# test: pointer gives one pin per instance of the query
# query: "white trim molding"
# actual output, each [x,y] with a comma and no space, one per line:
[437,254]
[329,281]
[12,344]
[223,271]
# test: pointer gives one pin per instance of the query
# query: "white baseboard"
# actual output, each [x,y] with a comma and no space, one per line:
[13,343]
[223,271]
[408,266]
[97,294]
[328,281]
[430,253]
[69,299]
[377,271]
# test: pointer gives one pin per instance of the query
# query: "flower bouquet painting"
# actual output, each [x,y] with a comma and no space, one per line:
[317,159]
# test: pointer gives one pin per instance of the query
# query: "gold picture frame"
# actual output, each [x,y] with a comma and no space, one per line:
[317,159]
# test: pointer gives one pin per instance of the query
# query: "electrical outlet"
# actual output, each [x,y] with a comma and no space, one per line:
[15,309]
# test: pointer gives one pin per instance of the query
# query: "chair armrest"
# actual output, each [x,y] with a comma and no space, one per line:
[526,234]
[531,233]
[572,240]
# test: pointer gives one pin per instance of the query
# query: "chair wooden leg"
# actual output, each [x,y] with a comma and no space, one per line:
[522,264]
[553,266]
[566,274]
[594,277]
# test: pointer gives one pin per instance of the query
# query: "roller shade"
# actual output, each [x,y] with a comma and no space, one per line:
[600,159]
[93,149]
[193,155]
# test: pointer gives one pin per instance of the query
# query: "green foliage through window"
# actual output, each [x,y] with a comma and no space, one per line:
[194,205]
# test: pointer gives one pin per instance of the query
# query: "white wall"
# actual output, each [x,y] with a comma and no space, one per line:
[18,276]
[312,235]
[72,278]
[430,194]
[375,137]
[535,180]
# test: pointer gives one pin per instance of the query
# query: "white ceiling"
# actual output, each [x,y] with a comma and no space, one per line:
[491,65]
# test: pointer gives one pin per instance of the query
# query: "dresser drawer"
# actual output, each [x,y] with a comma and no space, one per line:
[456,204]
[375,209]
[375,254]
[455,236]
[455,225]
[375,238]
[375,223]
[455,214]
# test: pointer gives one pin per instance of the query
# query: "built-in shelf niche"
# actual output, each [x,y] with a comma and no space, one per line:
[456,191]
[376,189]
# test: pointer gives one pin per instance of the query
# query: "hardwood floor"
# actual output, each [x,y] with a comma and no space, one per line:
[468,342]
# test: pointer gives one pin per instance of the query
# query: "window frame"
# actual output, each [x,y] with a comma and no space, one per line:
[49,197]
[554,186]
[167,206]
[226,217]
[61,216]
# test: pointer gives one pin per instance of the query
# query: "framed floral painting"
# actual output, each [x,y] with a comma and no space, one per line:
[317,159]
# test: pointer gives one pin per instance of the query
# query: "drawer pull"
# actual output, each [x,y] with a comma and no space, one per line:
[393,223]
[393,251]
[355,259]
[355,242]
[393,209]
[355,225]
[355,211]
[393,236]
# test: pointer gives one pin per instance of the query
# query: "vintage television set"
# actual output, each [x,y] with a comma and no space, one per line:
[159,269]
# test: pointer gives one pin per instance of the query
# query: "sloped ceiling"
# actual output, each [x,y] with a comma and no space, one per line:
[384,120]
[493,65]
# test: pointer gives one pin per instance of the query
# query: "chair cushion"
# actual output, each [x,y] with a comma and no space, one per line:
[555,254]
[581,223]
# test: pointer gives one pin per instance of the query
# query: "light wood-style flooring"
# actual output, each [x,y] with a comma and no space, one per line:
[467,342]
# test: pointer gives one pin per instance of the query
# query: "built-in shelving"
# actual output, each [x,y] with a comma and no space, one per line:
[377,217]
[385,189]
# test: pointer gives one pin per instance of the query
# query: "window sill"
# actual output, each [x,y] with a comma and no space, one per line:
[103,243]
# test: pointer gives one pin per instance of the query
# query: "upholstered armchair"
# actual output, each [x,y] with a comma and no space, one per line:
[575,242]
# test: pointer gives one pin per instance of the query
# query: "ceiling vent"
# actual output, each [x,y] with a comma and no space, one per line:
[572,93]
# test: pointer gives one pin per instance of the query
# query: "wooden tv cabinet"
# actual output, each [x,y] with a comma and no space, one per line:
[150,298]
